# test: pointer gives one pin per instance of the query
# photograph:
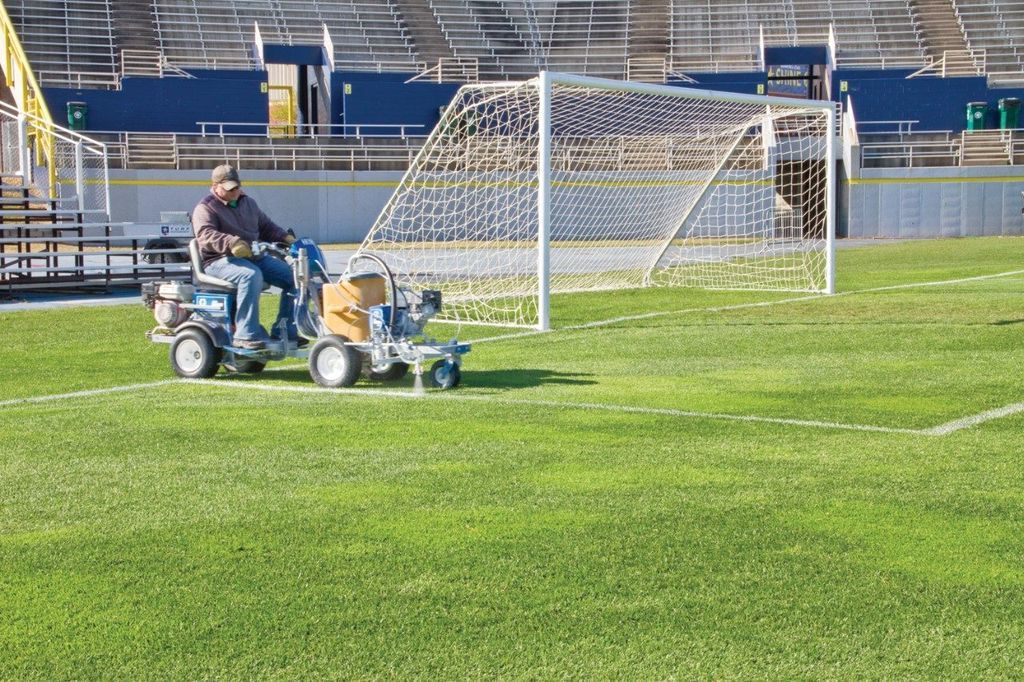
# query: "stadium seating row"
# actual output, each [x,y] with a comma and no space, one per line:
[79,42]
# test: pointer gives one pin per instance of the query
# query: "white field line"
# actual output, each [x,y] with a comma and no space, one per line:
[940,430]
[86,394]
[626,409]
[975,419]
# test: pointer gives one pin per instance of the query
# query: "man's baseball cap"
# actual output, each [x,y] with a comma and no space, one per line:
[226,176]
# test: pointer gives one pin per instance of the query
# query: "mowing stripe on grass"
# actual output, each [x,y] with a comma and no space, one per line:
[625,409]
[644,316]
[84,394]
[741,306]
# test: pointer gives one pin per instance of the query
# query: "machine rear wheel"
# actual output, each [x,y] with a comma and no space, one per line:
[332,364]
[193,355]
[445,375]
[392,372]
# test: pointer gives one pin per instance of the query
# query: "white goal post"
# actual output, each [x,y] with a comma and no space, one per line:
[567,183]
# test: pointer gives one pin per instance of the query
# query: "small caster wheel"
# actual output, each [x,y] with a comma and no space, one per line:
[445,374]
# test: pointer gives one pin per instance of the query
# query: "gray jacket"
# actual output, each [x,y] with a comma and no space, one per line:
[218,226]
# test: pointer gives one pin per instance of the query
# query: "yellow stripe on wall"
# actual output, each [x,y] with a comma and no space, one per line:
[933,181]
[128,182]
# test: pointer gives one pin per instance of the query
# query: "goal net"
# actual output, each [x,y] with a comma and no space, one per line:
[569,184]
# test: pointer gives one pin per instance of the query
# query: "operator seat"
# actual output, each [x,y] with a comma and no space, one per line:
[206,282]
[199,277]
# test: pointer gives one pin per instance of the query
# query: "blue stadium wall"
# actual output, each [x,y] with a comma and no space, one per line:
[177,105]
[340,206]
[169,104]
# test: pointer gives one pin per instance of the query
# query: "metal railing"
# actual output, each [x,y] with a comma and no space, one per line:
[910,153]
[399,130]
[77,165]
[85,255]
[451,70]
[132,150]
[35,126]
[955,63]
[903,148]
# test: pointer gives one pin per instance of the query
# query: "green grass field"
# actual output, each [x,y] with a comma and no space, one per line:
[724,491]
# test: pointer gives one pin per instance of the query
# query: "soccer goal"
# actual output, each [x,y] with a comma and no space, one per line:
[568,184]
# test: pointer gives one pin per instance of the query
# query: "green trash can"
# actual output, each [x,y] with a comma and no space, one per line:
[976,113]
[78,115]
[1009,113]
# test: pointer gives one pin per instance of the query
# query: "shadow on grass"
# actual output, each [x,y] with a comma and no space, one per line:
[523,378]
[501,379]
[1006,323]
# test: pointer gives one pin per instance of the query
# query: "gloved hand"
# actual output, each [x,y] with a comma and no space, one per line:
[289,239]
[241,249]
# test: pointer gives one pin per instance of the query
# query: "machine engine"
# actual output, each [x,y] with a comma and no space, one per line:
[165,299]
[410,319]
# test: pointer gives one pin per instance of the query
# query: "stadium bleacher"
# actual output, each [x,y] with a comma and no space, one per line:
[998,30]
[726,36]
[69,42]
[79,42]
[215,34]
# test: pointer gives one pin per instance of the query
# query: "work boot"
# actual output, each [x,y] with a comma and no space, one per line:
[249,344]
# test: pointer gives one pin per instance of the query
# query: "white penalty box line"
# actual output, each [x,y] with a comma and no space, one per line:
[940,430]
[401,394]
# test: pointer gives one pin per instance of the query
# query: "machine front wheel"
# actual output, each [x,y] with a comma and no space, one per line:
[445,375]
[392,372]
[332,364]
[193,355]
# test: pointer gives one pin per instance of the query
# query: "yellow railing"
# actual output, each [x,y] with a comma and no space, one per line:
[27,95]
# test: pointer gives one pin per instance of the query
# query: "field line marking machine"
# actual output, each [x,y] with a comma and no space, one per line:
[362,324]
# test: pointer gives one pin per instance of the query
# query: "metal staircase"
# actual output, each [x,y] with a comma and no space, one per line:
[55,228]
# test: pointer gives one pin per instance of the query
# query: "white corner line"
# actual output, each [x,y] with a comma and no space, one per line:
[975,419]
[86,393]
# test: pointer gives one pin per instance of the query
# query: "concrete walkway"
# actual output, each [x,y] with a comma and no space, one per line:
[336,261]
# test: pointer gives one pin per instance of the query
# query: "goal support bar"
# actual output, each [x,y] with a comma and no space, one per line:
[547,80]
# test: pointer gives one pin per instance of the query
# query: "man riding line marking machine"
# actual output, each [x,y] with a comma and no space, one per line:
[364,322]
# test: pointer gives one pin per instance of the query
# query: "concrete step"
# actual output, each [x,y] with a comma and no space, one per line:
[133,25]
[430,41]
[939,27]
[649,29]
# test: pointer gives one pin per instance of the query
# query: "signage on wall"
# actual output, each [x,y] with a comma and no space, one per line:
[264,88]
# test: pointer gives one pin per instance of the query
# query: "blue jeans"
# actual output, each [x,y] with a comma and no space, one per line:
[249,276]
